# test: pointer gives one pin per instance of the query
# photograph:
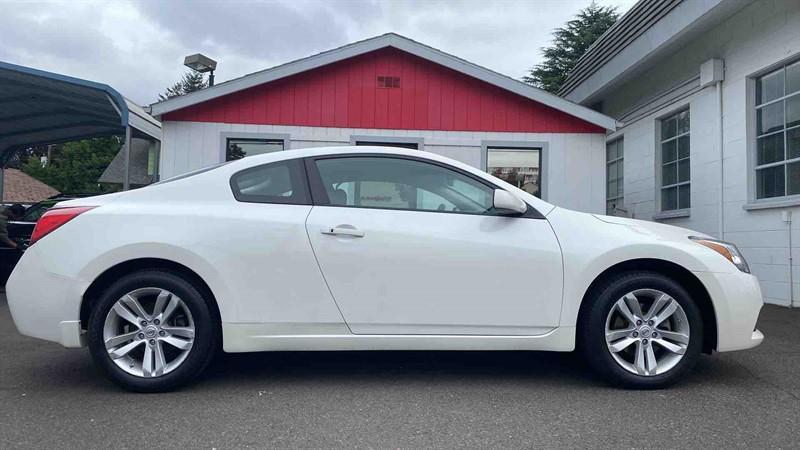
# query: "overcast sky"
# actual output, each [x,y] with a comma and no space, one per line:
[138,46]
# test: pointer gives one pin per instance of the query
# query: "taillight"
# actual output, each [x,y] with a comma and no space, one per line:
[54,218]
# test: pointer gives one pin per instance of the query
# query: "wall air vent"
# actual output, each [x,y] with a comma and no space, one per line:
[388,82]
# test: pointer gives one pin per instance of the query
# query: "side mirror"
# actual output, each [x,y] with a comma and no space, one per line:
[508,203]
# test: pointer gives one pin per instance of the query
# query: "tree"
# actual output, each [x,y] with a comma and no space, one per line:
[191,81]
[76,166]
[569,44]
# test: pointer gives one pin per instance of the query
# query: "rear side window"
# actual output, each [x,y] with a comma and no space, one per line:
[281,182]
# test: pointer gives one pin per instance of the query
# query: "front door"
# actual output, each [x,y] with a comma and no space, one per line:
[409,246]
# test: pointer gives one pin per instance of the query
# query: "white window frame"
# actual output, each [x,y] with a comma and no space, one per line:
[541,146]
[225,136]
[678,212]
[755,203]
[621,160]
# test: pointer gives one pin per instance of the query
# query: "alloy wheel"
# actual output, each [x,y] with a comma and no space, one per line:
[149,332]
[647,332]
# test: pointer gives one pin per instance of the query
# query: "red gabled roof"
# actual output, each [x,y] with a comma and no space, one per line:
[386,88]
[430,90]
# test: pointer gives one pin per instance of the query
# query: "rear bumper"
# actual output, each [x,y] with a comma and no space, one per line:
[737,303]
[45,305]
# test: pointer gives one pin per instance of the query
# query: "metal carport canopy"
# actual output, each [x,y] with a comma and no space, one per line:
[38,108]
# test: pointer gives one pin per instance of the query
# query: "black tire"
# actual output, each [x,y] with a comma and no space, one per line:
[591,329]
[205,339]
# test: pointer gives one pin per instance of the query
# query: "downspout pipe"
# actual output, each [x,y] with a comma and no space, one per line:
[720,140]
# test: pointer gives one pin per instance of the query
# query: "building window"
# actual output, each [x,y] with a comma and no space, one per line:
[778,132]
[409,145]
[516,166]
[237,148]
[675,171]
[615,179]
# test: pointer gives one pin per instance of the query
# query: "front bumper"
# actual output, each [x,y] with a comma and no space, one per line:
[45,305]
[737,302]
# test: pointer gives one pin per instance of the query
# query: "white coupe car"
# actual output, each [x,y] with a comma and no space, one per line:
[371,248]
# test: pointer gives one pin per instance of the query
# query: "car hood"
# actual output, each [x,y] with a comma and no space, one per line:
[655,229]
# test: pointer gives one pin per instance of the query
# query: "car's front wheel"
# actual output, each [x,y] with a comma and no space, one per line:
[642,330]
[151,331]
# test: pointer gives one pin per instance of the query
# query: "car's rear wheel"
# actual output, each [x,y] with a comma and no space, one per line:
[643,330]
[151,331]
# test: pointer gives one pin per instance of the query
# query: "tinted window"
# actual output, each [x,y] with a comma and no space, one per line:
[393,183]
[281,182]
[240,148]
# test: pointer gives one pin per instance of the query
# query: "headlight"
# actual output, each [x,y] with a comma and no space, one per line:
[726,249]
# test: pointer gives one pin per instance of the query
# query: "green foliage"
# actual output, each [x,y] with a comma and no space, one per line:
[190,82]
[569,44]
[76,166]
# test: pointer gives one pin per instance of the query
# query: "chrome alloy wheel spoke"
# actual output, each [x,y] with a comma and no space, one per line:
[647,332]
[149,344]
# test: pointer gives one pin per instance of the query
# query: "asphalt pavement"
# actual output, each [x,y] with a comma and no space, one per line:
[53,397]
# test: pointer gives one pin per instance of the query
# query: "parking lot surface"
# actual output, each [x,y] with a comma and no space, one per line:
[53,397]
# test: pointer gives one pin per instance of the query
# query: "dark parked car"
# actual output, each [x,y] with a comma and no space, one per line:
[20,232]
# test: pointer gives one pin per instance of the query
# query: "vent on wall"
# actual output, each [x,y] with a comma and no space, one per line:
[388,82]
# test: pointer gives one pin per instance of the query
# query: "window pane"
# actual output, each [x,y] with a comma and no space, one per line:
[793,111]
[770,149]
[793,140]
[620,187]
[612,189]
[793,78]
[610,207]
[770,118]
[683,147]
[683,170]
[669,174]
[669,199]
[684,196]
[669,127]
[240,148]
[396,183]
[769,87]
[611,151]
[770,182]
[669,151]
[612,171]
[794,178]
[683,122]
[517,167]
[281,182]
[408,145]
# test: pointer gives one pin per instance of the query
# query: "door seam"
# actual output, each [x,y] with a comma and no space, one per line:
[322,272]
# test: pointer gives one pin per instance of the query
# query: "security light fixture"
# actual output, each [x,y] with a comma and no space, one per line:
[201,63]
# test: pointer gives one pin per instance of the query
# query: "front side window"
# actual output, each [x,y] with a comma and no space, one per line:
[280,182]
[395,183]
[615,180]
[239,148]
[675,172]
[519,167]
[778,132]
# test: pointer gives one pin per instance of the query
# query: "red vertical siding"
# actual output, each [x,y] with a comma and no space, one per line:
[346,95]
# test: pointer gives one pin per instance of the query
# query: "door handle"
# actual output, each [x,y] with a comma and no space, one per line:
[342,231]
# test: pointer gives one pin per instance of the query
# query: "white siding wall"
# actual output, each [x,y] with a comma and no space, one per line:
[757,37]
[574,176]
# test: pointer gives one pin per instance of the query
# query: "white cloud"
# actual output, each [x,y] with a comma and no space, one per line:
[138,46]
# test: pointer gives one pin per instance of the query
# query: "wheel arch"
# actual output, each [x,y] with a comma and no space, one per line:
[107,277]
[672,270]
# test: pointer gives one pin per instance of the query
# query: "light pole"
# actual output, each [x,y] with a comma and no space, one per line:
[201,63]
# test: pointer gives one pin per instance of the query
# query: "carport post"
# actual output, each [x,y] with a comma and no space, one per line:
[126,157]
